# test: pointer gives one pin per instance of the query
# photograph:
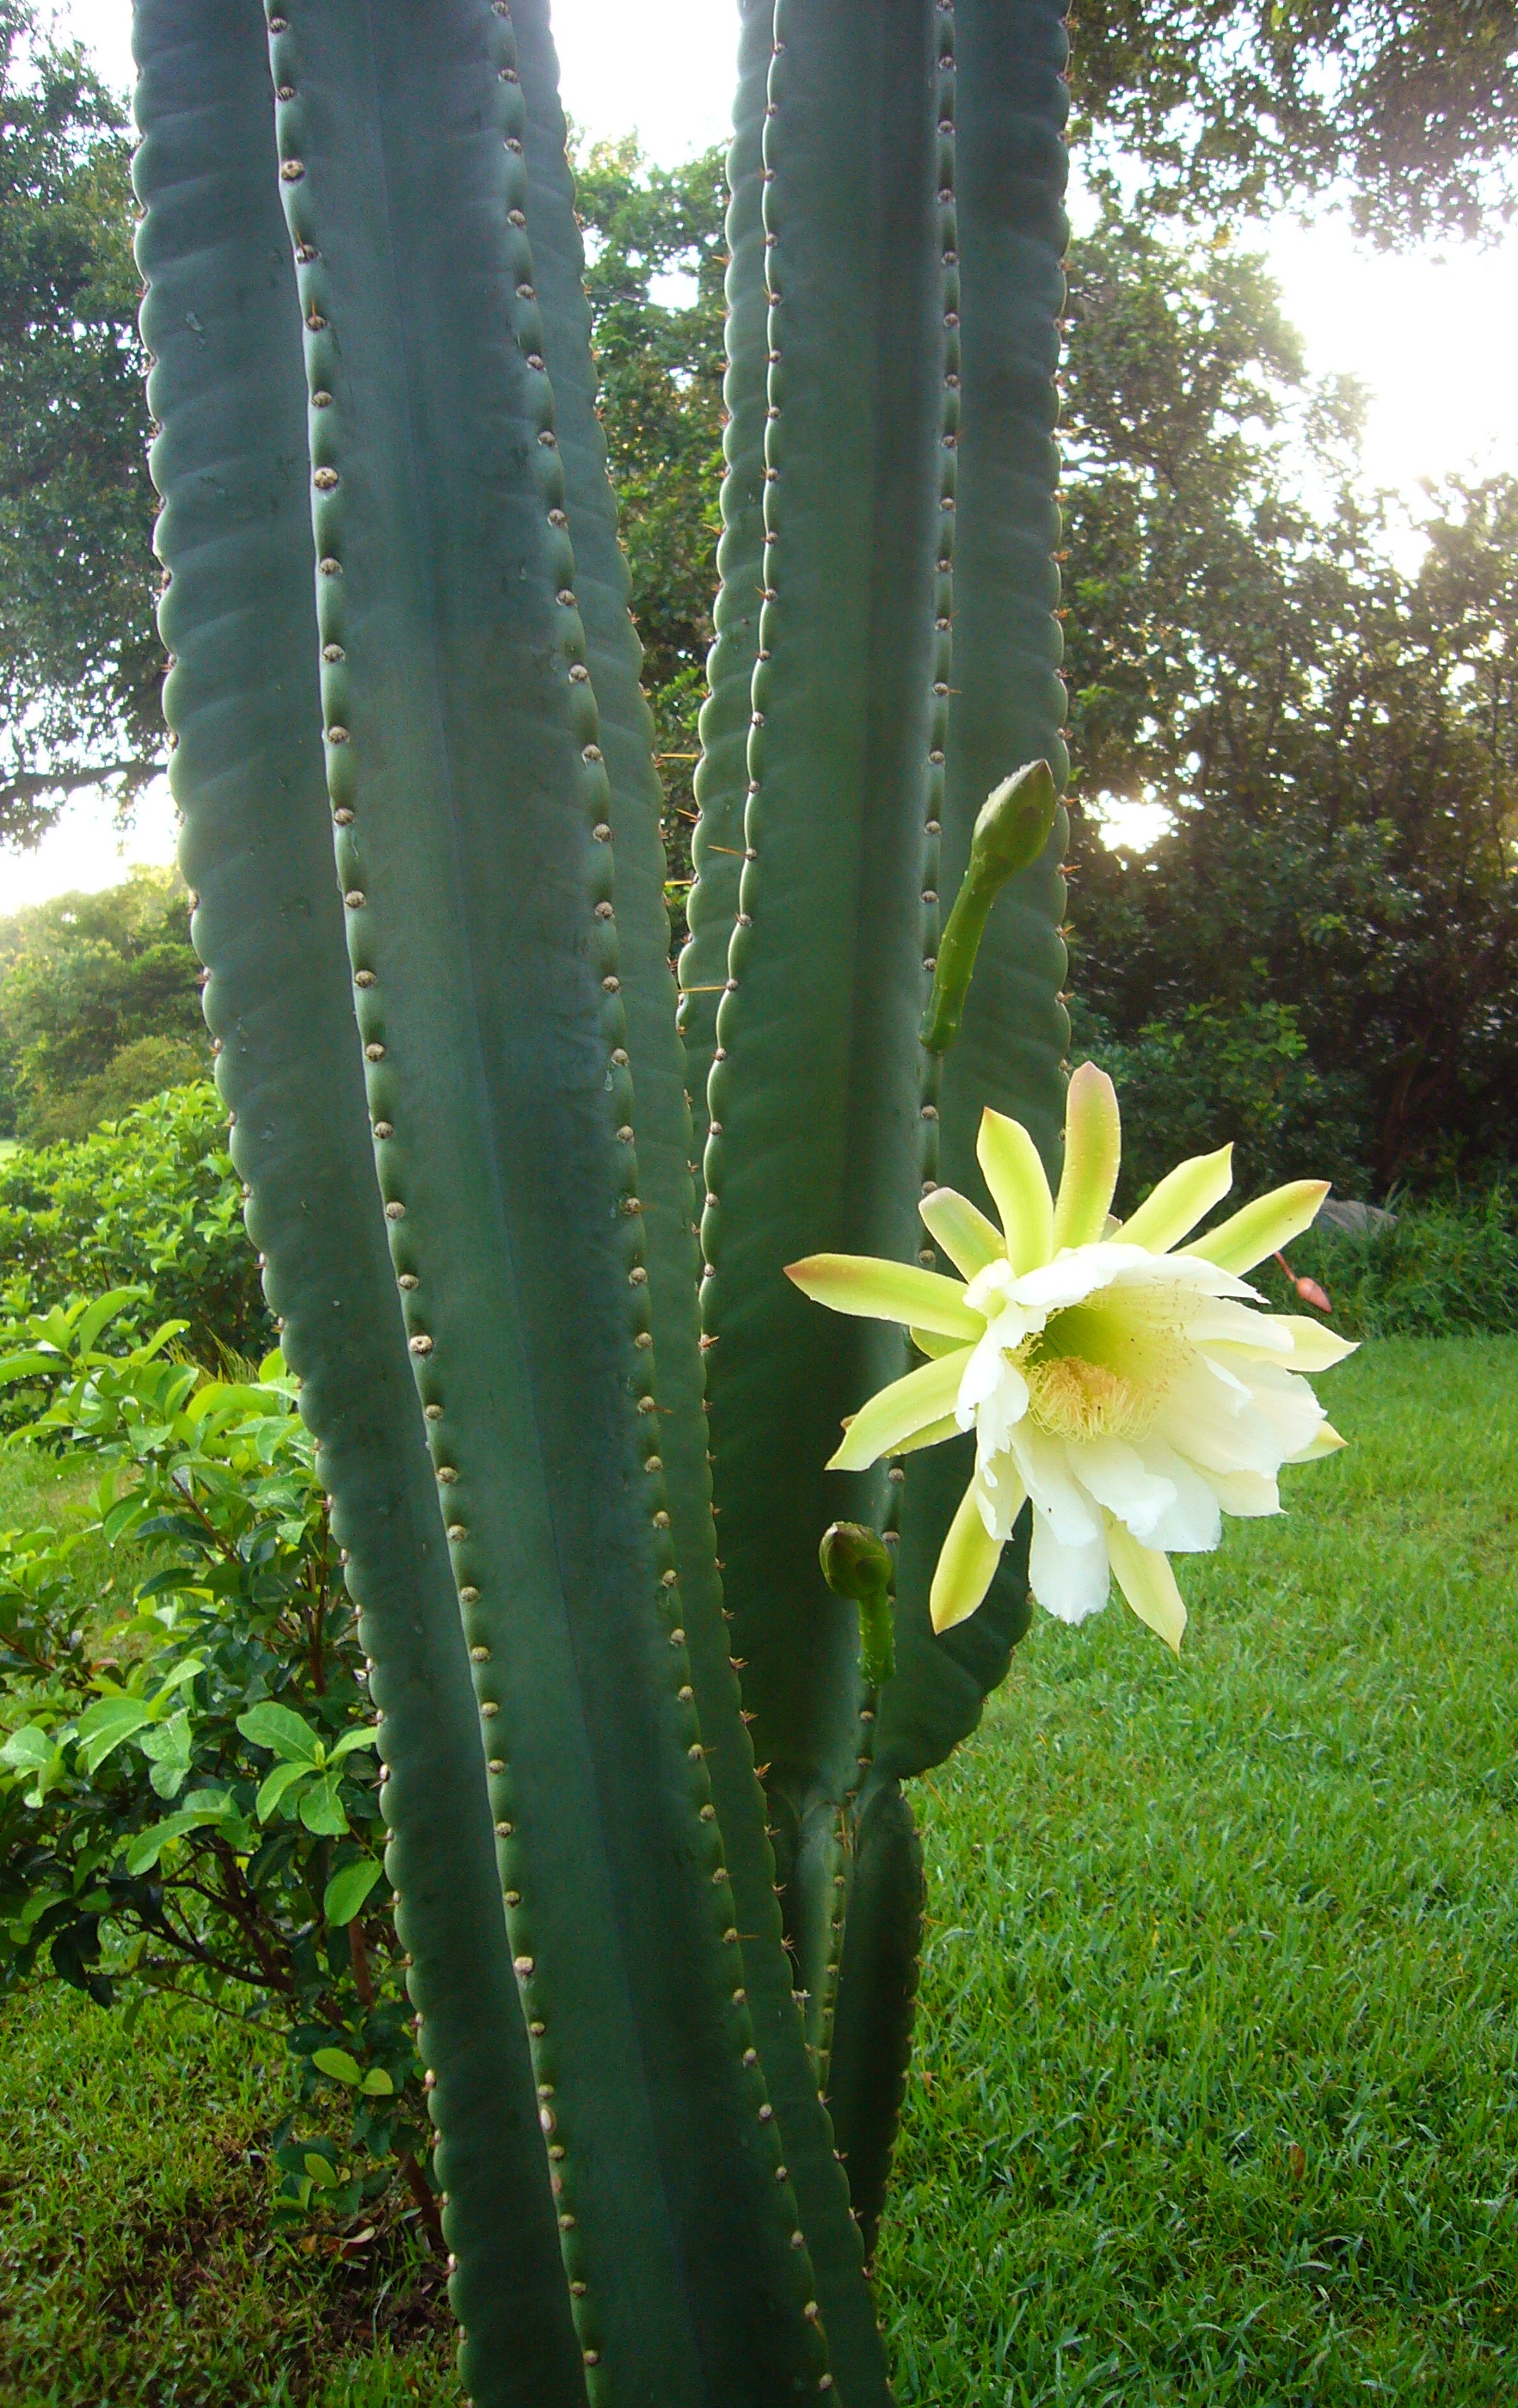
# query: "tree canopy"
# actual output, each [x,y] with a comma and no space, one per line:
[1407,105]
[99,1005]
[80,659]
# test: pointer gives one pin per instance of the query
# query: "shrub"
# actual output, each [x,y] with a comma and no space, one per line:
[151,1202]
[1218,1071]
[188,1802]
[1440,1264]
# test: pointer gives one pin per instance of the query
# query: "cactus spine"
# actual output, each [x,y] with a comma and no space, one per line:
[421,819]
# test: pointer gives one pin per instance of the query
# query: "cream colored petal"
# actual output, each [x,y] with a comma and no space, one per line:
[1326,1440]
[961,1230]
[1180,1201]
[883,1291]
[1093,1151]
[1019,1185]
[1261,1228]
[1045,1467]
[1122,1479]
[966,1564]
[1316,1347]
[1145,1576]
[897,1413]
[1068,1581]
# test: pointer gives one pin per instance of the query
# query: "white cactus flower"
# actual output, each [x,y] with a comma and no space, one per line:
[1127,1384]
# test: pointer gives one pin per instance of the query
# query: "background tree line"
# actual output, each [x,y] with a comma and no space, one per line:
[1320,954]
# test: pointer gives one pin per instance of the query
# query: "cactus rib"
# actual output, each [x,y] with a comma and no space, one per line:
[659,1120]
[721,778]
[221,320]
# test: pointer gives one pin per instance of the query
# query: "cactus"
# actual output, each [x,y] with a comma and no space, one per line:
[422,826]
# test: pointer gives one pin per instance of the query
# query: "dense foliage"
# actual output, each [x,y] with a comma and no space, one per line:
[1334,736]
[99,1006]
[657,251]
[189,1800]
[154,1203]
[1235,108]
[81,664]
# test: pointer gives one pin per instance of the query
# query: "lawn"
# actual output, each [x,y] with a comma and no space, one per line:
[1217,2091]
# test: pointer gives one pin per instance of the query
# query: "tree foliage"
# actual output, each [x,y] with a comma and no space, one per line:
[79,660]
[99,1005]
[656,261]
[1335,734]
[1229,109]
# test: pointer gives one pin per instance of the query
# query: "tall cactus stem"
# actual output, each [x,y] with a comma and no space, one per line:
[944,98]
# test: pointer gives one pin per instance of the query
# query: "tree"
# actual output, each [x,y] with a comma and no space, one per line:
[99,1004]
[1238,109]
[661,362]
[80,659]
[1334,737]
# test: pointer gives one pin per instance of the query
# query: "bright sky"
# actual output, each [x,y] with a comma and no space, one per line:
[1433,336]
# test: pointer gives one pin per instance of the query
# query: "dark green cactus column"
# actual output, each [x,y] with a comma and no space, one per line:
[222,320]
[721,778]
[906,663]
[493,963]
[661,1121]
[813,1090]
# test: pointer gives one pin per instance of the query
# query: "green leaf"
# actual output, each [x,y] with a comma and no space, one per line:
[148,1845]
[322,1807]
[377,2083]
[288,1734]
[338,2066]
[108,1723]
[275,1786]
[324,2177]
[29,1747]
[348,1889]
[167,1749]
[351,1740]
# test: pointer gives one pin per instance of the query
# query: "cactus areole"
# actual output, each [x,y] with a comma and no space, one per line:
[655,1871]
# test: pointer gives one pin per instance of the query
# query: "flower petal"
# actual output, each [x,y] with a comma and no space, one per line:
[1093,1150]
[1324,1440]
[1069,1582]
[1044,1463]
[1019,1188]
[1246,1494]
[1316,1347]
[966,1562]
[1121,1480]
[883,1291]
[1261,1228]
[1001,1493]
[1192,1524]
[1146,1580]
[1173,1208]
[960,1229]
[932,1435]
[899,1411]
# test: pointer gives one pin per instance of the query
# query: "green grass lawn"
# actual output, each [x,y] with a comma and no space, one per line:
[1217,2091]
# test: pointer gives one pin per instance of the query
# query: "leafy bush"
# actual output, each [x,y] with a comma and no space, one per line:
[189,1800]
[1216,1072]
[152,1202]
[1438,1265]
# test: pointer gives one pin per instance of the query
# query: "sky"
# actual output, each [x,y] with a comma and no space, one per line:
[1432,335]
